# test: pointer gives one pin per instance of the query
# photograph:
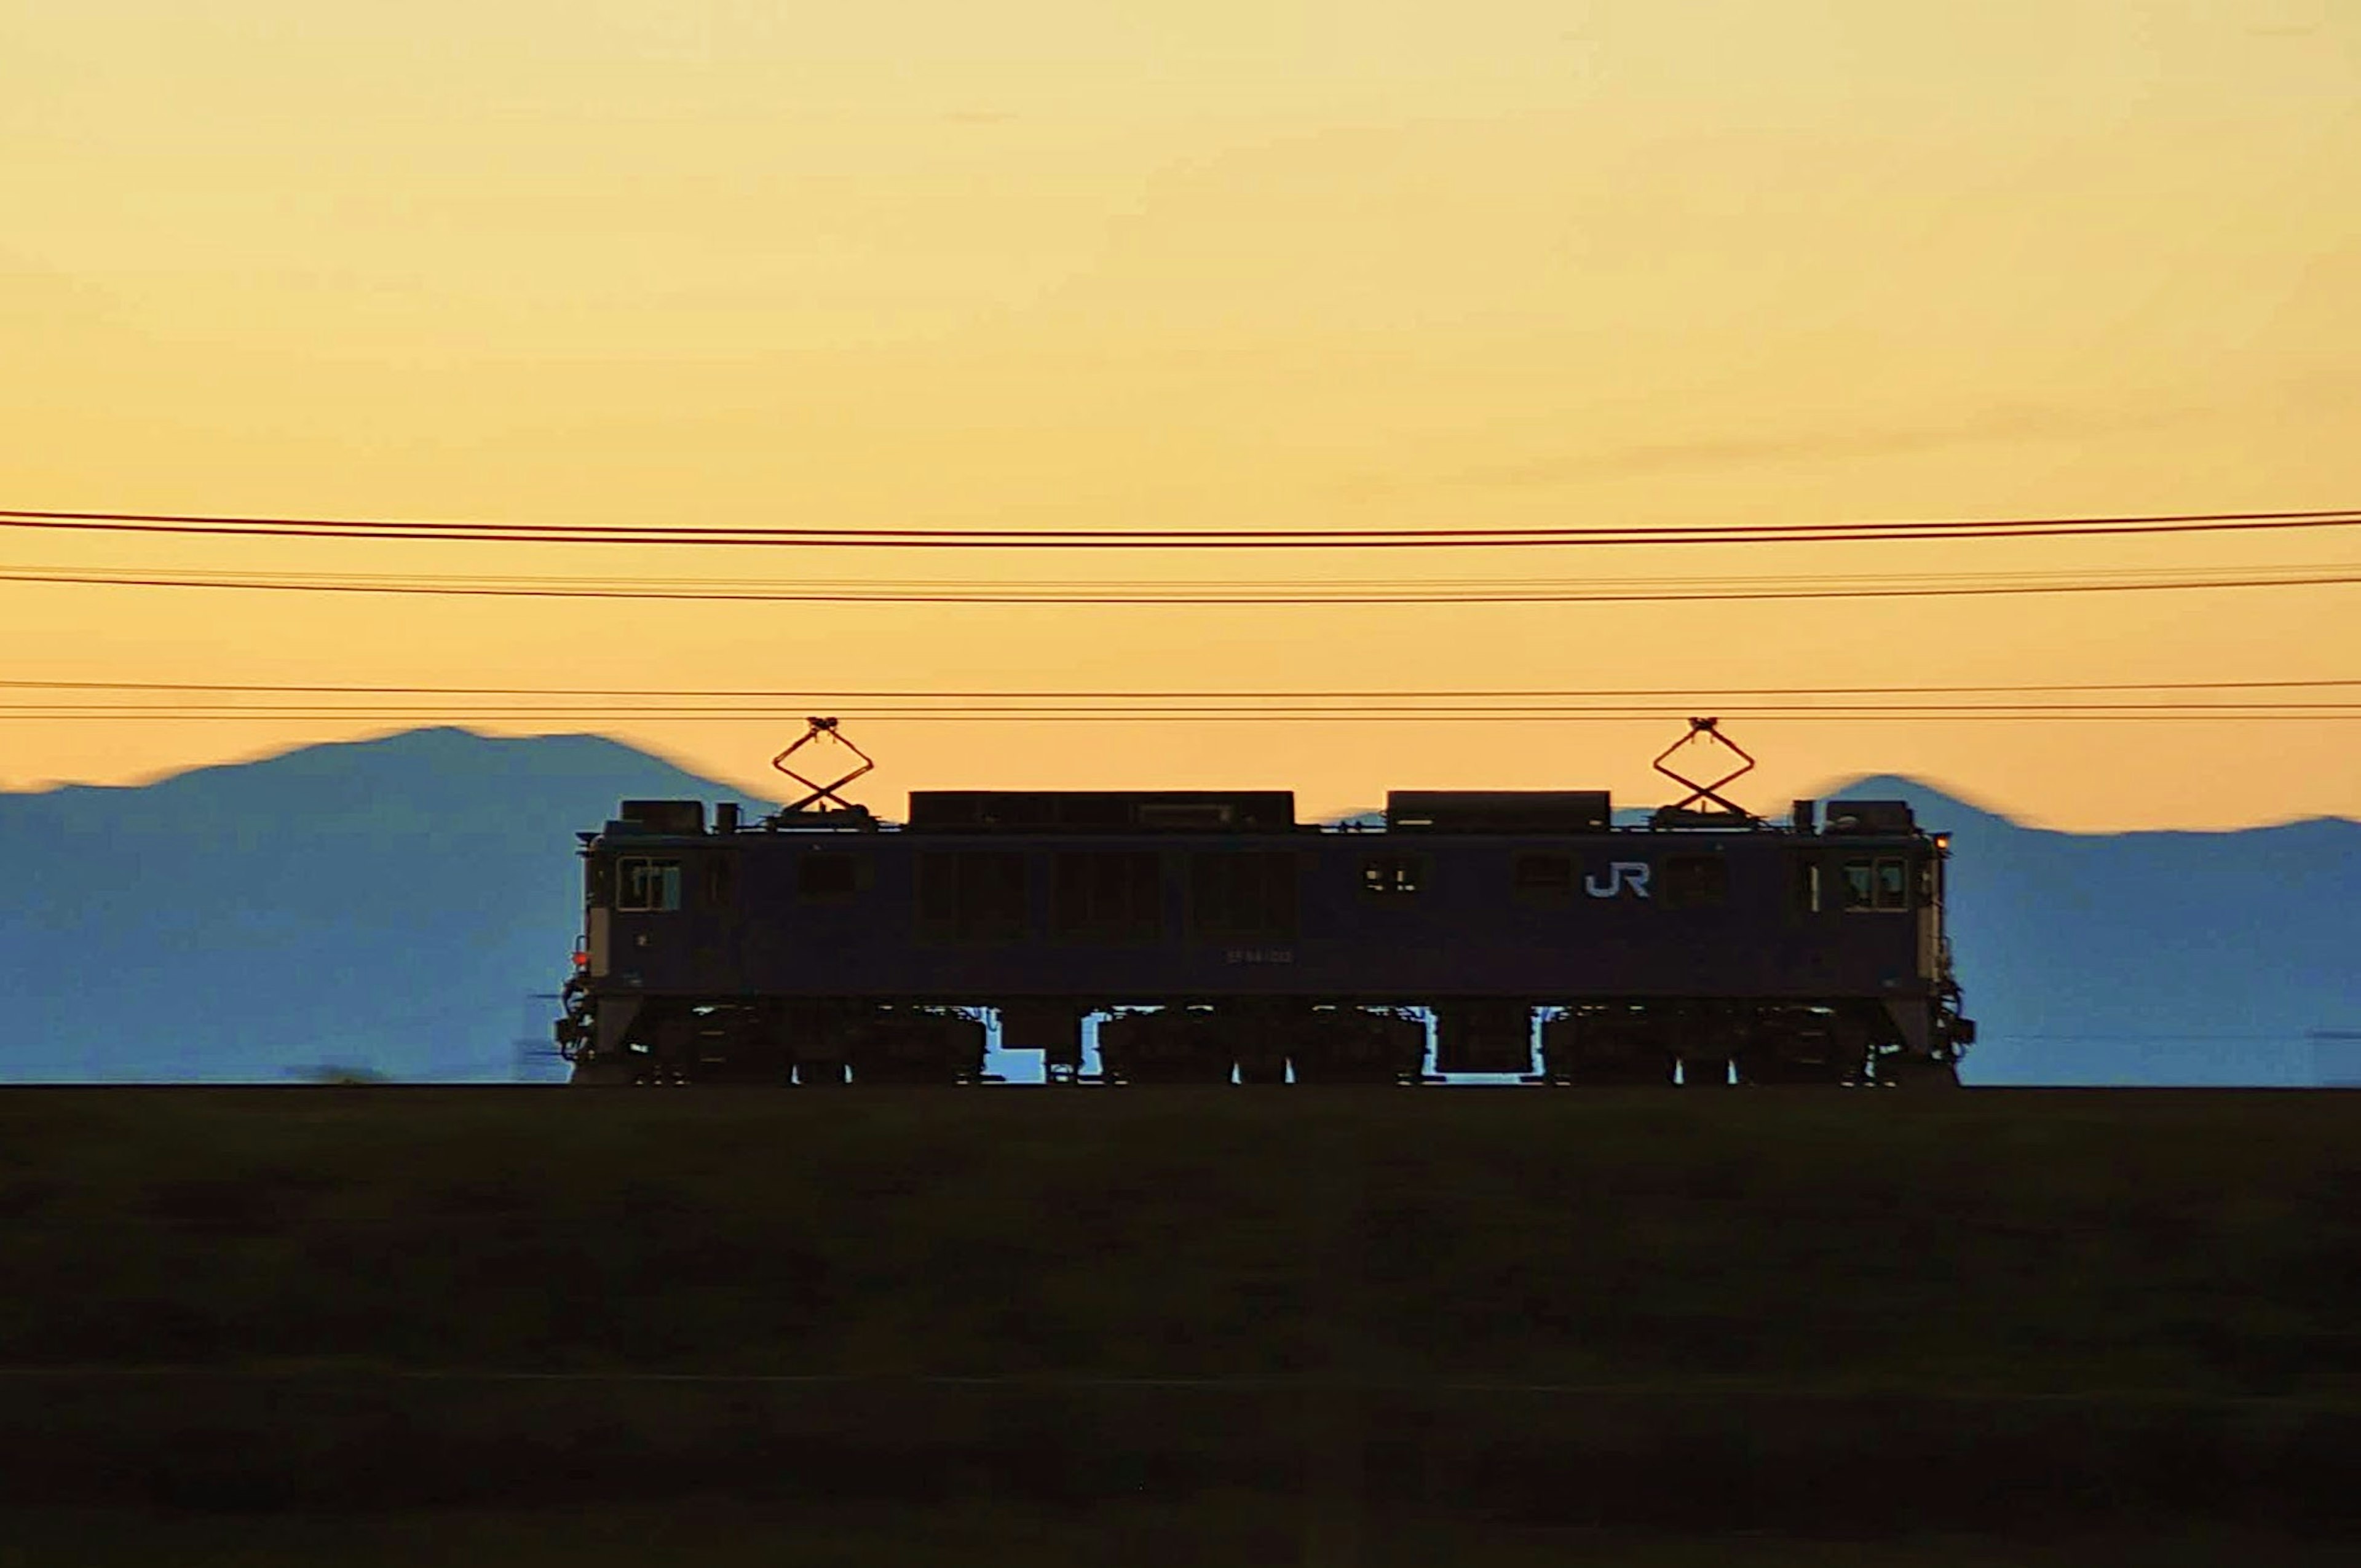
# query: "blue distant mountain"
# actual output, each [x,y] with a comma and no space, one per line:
[391,907]
[383,905]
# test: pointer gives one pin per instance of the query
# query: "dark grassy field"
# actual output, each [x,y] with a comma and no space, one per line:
[1246,1532]
[1228,1325]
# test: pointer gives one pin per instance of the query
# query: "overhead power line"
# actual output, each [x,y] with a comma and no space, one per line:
[2305,700]
[1366,695]
[1136,713]
[224,525]
[1297,595]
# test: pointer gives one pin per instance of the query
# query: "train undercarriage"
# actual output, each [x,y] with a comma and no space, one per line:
[1615,1043]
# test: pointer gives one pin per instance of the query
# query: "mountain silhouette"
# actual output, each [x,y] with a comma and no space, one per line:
[383,905]
[390,908]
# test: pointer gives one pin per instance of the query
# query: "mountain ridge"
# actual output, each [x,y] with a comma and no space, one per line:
[1949,799]
[1872,787]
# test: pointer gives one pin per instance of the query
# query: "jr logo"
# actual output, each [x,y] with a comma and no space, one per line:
[1620,875]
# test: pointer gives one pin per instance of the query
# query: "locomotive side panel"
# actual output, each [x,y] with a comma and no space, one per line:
[1343,915]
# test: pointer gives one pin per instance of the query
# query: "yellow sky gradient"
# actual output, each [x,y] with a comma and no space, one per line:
[1054,263]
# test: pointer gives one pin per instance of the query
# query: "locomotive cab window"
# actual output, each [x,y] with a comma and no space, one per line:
[1881,883]
[645,884]
[1391,876]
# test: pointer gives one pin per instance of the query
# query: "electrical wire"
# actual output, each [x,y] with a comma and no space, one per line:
[1300,595]
[734,694]
[226,525]
[970,713]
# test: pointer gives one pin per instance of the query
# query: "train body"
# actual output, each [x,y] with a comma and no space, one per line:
[1208,936]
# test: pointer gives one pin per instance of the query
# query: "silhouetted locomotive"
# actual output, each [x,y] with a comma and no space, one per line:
[1207,936]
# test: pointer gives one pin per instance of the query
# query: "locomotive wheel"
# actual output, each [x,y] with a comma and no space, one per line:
[1905,1071]
[1186,1071]
[1625,1072]
[1356,1047]
[810,1073]
[604,1073]
[1766,1069]
[1705,1072]
[884,1069]
[1165,1047]
[1322,1071]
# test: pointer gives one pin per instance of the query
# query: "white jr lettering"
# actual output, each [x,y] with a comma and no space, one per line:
[1620,875]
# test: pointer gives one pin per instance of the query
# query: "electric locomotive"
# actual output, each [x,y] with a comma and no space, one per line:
[1208,936]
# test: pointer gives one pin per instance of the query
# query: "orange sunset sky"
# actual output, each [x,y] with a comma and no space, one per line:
[1069,264]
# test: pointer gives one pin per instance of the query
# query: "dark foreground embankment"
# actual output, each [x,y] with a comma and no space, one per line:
[1396,1312]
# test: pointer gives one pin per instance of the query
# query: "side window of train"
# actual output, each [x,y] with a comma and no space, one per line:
[1392,876]
[1242,893]
[1809,896]
[972,896]
[1695,881]
[601,890]
[647,884]
[1107,895]
[829,876]
[1881,883]
[1536,877]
